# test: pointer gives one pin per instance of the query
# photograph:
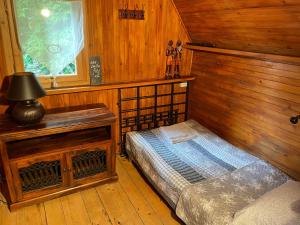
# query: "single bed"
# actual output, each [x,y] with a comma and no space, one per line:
[177,171]
[204,179]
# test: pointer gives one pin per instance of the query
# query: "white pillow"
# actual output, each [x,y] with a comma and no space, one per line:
[281,206]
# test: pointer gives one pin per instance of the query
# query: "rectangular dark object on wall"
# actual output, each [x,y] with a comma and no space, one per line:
[95,70]
[131,14]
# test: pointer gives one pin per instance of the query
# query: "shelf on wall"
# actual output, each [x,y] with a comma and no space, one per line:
[260,56]
[111,86]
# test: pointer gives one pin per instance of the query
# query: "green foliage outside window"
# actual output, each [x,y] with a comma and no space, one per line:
[34,66]
[38,43]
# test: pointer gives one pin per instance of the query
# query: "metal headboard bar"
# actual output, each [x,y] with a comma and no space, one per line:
[147,118]
[153,107]
[149,85]
[187,100]
[152,96]
[138,110]
[142,121]
[171,119]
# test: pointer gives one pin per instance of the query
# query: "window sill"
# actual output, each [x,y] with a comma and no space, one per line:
[64,81]
[110,86]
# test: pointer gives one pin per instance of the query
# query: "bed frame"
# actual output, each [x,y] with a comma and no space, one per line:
[154,116]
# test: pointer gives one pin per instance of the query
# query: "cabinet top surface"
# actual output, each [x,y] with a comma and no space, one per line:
[58,120]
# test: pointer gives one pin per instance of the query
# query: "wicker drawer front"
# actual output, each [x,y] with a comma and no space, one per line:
[89,163]
[40,175]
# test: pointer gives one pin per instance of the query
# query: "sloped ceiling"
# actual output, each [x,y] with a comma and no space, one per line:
[267,26]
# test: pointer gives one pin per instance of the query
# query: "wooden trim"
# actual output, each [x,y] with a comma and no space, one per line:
[8,173]
[12,32]
[111,86]
[260,56]
[7,66]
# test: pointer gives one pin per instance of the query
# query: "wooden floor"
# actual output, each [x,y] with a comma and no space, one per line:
[129,201]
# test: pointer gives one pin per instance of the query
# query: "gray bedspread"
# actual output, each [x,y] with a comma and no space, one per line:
[172,167]
[214,202]
[205,179]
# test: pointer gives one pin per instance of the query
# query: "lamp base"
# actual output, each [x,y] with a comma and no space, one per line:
[28,112]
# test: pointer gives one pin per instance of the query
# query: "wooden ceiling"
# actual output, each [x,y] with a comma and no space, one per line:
[267,26]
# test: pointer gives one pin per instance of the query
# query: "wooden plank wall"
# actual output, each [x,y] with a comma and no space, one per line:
[267,26]
[246,101]
[130,50]
[249,103]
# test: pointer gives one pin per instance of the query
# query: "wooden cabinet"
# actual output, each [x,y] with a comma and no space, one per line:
[70,149]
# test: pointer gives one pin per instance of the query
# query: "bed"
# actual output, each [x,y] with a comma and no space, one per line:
[205,179]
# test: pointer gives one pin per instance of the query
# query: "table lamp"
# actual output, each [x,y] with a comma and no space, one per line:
[24,89]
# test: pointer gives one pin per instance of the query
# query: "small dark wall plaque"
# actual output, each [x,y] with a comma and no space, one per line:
[131,14]
[95,70]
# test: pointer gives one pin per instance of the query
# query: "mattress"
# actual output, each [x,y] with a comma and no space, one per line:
[173,167]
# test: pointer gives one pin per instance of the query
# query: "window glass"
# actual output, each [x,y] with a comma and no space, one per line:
[50,34]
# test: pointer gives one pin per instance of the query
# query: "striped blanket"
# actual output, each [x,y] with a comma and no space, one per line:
[172,167]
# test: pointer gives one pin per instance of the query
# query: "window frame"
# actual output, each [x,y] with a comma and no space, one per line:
[82,76]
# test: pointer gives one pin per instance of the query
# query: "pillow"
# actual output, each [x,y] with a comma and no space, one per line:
[281,206]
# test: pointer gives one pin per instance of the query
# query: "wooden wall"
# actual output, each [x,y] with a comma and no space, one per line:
[249,103]
[130,50]
[268,26]
[246,101]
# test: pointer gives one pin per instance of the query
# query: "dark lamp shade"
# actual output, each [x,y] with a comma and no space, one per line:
[24,87]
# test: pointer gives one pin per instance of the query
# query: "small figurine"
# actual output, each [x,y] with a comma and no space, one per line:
[170,59]
[177,59]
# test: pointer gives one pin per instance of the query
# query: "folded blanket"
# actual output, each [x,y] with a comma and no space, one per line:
[177,133]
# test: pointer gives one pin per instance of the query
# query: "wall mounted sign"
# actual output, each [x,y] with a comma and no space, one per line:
[131,14]
[95,70]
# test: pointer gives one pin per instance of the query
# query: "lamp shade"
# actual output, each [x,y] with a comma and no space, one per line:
[24,87]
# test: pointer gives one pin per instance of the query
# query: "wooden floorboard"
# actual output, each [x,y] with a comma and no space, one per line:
[160,208]
[54,212]
[129,201]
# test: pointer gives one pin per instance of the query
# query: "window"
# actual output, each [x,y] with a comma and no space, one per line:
[50,38]
[50,34]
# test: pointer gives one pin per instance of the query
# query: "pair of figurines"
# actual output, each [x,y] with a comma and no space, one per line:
[173,59]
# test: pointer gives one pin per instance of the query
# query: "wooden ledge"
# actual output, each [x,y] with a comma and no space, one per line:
[260,56]
[111,86]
